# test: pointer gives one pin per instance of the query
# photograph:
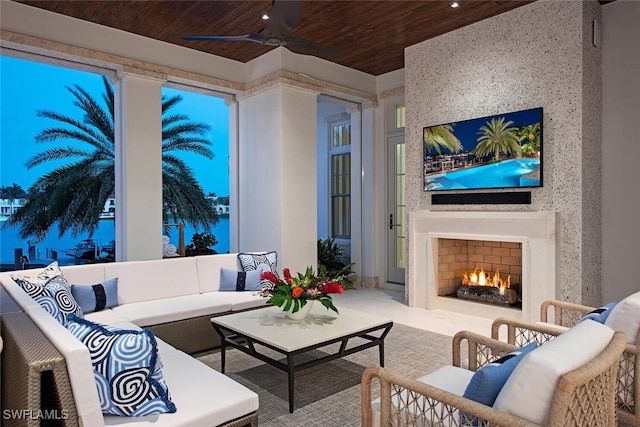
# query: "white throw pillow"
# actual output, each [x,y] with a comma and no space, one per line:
[528,391]
[625,317]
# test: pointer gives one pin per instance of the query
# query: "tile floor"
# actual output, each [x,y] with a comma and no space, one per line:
[390,303]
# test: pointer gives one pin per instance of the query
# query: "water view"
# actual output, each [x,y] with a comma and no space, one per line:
[52,247]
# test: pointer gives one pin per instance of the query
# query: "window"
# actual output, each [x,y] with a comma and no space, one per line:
[56,156]
[399,116]
[340,164]
[195,167]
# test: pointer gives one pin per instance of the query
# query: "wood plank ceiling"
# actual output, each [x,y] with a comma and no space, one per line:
[371,34]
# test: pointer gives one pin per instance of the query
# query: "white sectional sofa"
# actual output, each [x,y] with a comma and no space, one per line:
[175,298]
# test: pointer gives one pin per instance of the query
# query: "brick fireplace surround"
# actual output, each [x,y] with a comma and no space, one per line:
[531,234]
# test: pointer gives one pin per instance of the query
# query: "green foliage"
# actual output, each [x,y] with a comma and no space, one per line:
[331,264]
[73,195]
[202,241]
[496,137]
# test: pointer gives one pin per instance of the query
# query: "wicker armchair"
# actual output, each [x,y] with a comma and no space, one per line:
[566,315]
[584,396]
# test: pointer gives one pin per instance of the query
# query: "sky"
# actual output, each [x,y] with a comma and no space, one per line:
[26,87]
[467,130]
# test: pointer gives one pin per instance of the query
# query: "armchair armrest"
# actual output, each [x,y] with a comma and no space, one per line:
[482,350]
[521,333]
[405,401]
[565,313]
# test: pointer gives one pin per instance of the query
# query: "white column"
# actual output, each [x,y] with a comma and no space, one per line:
[234,207]
[138,151]
[277,171]
[369,207]
[357,230]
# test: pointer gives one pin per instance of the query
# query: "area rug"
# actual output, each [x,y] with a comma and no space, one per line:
[328,395]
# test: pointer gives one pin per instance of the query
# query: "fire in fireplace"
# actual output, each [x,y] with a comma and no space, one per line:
[481,286]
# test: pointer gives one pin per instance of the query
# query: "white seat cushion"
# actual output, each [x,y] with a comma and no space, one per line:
[87,274]
[203,396]
[146,313]
[238,300]
[528,391]
[106,317]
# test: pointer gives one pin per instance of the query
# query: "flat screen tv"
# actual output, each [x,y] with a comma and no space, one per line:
[500,151]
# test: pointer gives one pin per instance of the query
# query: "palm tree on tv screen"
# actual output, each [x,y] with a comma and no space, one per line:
[74,194]
[530,134]
[437,137]
[496,137]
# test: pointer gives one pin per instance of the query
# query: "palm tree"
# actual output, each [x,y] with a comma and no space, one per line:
[437,137]
[497,137]
[73,195]
[530,134]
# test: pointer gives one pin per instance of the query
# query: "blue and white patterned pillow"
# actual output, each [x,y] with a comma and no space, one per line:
[54,297]
[262,262]
[127,369]
[49,272]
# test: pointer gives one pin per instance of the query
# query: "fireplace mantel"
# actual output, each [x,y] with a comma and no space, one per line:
[536,231]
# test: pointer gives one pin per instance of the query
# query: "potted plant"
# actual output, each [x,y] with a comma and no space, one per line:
[201,244]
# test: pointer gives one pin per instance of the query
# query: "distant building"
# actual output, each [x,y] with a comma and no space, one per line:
[10,206]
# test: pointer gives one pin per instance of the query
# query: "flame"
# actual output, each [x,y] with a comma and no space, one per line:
[481,278]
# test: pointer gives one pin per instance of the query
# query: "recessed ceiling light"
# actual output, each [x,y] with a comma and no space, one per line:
[455,4]
[265,16]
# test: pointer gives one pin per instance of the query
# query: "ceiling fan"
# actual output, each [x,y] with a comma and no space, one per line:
[283,18]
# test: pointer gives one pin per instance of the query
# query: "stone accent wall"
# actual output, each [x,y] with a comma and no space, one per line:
[538,55]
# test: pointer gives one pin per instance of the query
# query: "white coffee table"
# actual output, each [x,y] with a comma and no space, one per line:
[250,331]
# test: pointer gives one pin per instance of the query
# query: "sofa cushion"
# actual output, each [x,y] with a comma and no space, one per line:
[106,316]
[203,396]
[625,317]
[154,312]
[232,280]
[156,279]
[529,390]
[489,380]
[237,300]
[600,314]
[209,266]
[127,368]
[96,297]
[53,296]
[39,279]
[84,273]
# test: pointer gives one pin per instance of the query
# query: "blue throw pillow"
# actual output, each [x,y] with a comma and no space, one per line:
[54,297]
[127,369]
[487,382]
[600,314]
[231,280]
[96,297]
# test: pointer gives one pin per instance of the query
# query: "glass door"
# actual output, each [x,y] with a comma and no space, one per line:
[396,210]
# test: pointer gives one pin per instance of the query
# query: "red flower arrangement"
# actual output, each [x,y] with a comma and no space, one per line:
[295,291]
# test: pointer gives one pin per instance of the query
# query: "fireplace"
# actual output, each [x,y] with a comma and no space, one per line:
[517,244]
[484,271]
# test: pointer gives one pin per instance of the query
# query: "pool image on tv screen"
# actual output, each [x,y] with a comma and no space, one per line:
[499,151]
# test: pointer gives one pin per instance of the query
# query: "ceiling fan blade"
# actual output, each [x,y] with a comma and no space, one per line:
[286,12]
[257,37]
[306,47]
